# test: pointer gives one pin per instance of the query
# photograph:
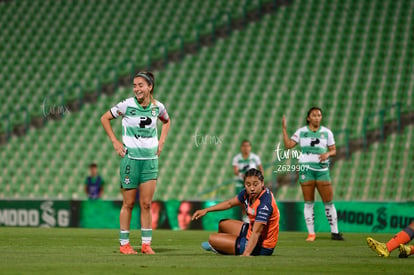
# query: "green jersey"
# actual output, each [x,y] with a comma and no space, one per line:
[312,145]
[139,127]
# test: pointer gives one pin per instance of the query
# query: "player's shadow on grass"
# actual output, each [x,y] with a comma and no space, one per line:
[163,250]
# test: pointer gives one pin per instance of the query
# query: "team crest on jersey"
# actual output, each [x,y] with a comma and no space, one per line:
[322,136]
[250,211]
[154,111]
[127,181]
[303,176]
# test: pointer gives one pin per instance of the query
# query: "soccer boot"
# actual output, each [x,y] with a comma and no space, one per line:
[405,251]
[378,247]
[127,249]
[337,237]
[146,249]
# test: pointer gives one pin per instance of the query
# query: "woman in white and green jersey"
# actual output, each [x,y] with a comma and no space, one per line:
[139,150]
[317,145]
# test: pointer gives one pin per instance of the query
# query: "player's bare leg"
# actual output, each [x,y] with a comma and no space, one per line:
[125,220]
[308,190]
[326,192]
[226,227]
[223,243]
[230,226]
[146,193]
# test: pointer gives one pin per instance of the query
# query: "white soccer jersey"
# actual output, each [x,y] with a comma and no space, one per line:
[312,145]
[139,127]
[252,161]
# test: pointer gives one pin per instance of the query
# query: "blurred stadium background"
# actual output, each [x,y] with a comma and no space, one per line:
[226,71]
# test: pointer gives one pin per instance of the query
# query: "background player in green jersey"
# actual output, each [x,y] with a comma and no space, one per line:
[139,150]
[317,145]
[244,161]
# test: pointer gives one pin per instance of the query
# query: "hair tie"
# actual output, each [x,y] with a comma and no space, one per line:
[146,77]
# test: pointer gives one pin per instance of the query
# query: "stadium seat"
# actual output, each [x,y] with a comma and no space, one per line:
[238,88]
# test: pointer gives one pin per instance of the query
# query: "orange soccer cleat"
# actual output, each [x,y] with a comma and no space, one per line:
[127,249]
[146,249]
[311,238]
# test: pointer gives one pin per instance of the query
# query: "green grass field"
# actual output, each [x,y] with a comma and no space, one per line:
[87,251]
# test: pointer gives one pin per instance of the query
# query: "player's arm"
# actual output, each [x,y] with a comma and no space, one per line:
[236,170]
[118,146]
[86,187]
[289,143]
[164,132]
[331,153]
[218,207]
[101,191]
[254,238]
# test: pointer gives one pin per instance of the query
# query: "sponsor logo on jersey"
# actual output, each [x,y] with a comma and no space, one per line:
[265,208]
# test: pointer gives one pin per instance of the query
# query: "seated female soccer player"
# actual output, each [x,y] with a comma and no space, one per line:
[259,237]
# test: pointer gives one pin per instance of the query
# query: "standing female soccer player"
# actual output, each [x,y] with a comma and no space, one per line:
[259,237]
[317,145]
[139,151]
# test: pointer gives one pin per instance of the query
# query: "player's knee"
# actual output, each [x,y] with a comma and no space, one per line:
[145,204]
[221,224]
[212,239]
[128,204]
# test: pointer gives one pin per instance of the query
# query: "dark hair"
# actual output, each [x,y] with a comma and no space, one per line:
[252,172]
[149,78]
[310,111]
[93,165]
[244,141]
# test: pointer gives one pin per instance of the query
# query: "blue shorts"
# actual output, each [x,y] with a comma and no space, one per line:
[241,244]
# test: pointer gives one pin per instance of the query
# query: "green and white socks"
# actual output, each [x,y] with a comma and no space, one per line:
[146,236]
[124,237]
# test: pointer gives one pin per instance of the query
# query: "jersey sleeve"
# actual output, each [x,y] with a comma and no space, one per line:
[241,196]
[163,114]
[119,109]
[258,160]
[265,209]
[235,162]
[296,136]
[331,140]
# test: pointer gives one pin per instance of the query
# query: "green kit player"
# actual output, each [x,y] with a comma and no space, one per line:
[139,150]
[317,144]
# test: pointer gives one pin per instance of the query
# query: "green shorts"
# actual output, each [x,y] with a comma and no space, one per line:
[133,172]
[312,175]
